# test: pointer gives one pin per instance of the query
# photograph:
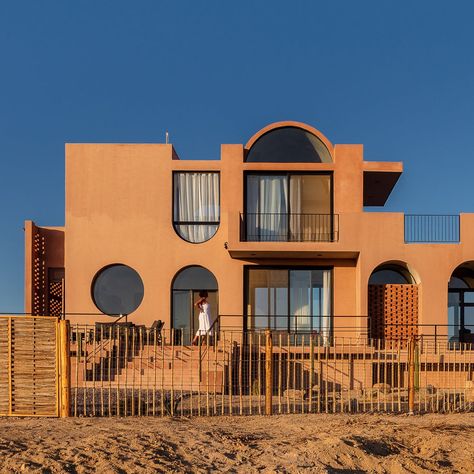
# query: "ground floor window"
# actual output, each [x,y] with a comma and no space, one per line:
[461,304]
[461,315]
[289,299]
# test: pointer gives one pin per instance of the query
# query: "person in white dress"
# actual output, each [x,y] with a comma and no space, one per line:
[205,320]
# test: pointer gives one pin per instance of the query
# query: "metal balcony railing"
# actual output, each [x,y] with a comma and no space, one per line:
[432,228]
[284,227]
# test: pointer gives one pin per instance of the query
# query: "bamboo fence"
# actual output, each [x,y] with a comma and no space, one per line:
[29,375]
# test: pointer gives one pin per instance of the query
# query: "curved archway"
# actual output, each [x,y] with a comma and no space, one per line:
[185,288]
[461,303]
[287,142]
[392,301]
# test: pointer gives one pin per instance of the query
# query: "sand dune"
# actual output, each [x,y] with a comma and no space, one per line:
[292,443]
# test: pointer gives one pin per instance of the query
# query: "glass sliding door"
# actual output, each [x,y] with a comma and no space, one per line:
[295,300]
[267,299]
[454,315]
[310,301]
[267,208]
[461,315]
[289,207]
[310,208]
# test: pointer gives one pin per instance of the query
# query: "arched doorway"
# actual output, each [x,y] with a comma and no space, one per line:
[392,302]
[185,291]
[461,304]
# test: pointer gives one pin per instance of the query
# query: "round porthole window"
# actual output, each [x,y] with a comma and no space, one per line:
[117,289]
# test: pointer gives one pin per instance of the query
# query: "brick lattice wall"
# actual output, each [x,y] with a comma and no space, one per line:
[392,305]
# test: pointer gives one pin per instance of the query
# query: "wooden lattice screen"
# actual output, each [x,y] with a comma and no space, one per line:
[393,311]
[28,366]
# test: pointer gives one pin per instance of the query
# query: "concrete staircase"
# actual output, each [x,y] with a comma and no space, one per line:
[187,368]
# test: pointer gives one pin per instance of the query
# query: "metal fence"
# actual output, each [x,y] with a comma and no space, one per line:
[120,370]
[432,228]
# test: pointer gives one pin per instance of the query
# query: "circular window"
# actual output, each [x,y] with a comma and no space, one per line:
[117,289]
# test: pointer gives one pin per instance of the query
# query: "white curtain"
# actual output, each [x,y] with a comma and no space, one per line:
[301,293]
[296,191]
[196,199]
[326,308]
[267,208]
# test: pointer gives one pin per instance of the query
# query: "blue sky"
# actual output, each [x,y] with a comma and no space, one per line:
[397,76]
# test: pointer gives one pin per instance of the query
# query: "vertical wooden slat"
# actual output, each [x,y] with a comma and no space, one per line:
[224,368]
[216,353]
[65,367]
[162,378]
[101,370]
[182,372]
[155,337]
[302,388]
[268,372]
[10,368]
[280,379]
[109,360]
[241,347]
[231,363]
[117,369]
[93,370]
[207,375]
[140,368]
[172,373]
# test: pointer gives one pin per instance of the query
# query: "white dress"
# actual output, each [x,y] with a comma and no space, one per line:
[204,320]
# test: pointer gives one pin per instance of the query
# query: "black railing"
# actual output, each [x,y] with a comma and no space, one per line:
[284,227]
[440,229]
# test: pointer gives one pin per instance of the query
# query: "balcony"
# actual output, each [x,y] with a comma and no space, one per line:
[287,227]
[437,229]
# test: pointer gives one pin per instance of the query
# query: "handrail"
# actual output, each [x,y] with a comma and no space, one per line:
[288,227]
[432,228]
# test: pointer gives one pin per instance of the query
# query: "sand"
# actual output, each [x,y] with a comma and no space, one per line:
[291,443]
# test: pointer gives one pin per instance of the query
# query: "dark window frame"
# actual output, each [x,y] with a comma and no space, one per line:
[462,305]
[190,290]
[289,268]
[288,175]
[175,223]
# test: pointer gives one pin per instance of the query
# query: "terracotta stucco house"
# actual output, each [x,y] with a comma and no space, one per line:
[275,231]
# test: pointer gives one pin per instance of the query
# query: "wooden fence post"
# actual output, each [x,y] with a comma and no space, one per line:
[268,372]
[411,376]
[64,369]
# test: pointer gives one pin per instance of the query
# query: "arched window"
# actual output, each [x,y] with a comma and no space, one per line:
[196,209]
[391,274]
[185,291]
[117,289]
[289,145]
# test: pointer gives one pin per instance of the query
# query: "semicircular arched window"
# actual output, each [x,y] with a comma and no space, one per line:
[196,209]
[117,289]
[391,275]
[289,145]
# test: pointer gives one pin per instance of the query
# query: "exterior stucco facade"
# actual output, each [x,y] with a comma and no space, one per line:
[119,209]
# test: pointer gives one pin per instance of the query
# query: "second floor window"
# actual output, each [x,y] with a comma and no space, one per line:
[196,210]
[289,207]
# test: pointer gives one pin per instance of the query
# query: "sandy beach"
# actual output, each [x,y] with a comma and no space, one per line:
[291,443]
